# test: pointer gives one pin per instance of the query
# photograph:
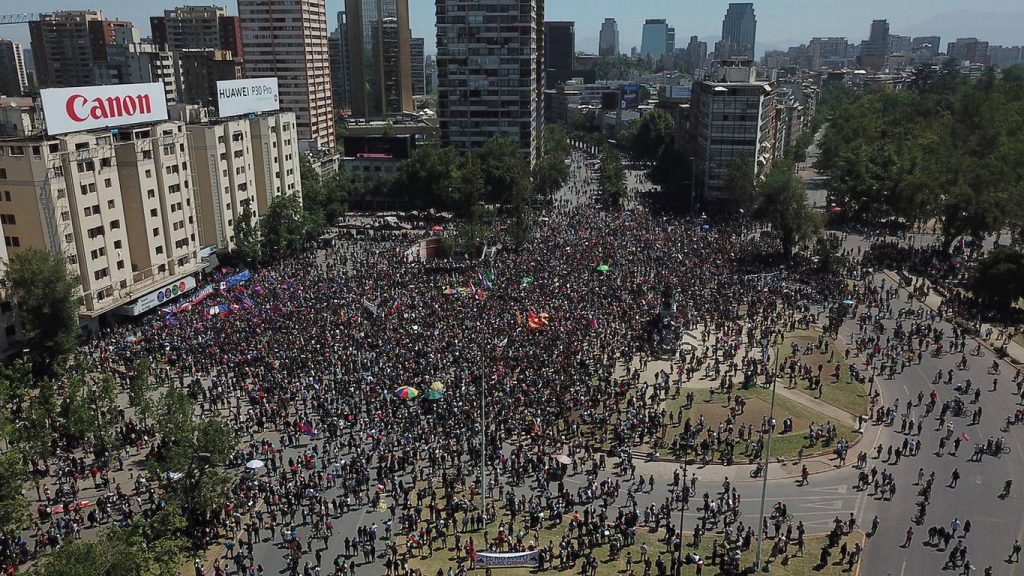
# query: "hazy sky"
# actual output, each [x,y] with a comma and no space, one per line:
[780,23]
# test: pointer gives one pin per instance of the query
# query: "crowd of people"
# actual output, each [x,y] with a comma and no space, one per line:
[530,361]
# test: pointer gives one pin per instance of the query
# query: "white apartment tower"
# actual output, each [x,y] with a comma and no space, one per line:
[244,161]
[287,39]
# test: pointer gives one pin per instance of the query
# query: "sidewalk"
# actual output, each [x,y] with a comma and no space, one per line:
[1015,352]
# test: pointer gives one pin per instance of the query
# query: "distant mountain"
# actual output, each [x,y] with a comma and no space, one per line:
[1005,28]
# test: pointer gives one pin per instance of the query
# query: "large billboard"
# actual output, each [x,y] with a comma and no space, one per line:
[631,96]
[89,107]
[247,96]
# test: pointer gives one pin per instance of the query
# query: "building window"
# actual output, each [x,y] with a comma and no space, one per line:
[152,212]
[101,273]
[17,150]
[115,224]
[7,193]
[120,264]
[12,241]
[117,244]
[106,182]
[159,249]
[149,173]
[151,194]
[3,173]
[110,204]
[156,232]
[8,220]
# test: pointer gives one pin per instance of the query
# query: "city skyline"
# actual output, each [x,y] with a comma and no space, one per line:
[997,23]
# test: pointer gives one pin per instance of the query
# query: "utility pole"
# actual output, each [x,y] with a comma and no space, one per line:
[767,455]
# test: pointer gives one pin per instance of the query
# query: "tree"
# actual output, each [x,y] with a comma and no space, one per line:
[613,178]
[741,183]
[464,186]
[139,388]
[13,504]
[138,549]
[784,206]
[649,135]
[247,234]
[998,279]
[216,438]
[551,170]
[47,300]
[506,172]
[283,226]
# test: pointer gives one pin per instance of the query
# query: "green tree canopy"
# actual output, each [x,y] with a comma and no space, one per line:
[741,183]
[649,135]
[998,279]
[784,206]
[47,299]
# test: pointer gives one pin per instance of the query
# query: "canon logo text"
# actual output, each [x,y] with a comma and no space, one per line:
[80,108]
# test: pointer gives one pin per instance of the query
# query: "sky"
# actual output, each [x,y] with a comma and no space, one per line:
[780,23]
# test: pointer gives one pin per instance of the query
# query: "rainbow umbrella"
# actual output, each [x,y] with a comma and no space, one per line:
[407,392]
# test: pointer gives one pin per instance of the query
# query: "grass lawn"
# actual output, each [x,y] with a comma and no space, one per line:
[846,393]
[758,405]
[788,566]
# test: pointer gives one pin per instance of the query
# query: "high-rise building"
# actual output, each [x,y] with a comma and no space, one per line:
[670,41]
[608,42]
[198,28]
[739,30]
[875,50]
[559,52]
[379,48]
[968,49]
[721,134]
[247,162]
[287,39]
[654,42]
[822,50]
[1001,56]
[419,81]
[69,45]
[200,70]
[900,44]
[430,71]
[490,72]
[13,78]
[933,43]
[337,47]
[696,56]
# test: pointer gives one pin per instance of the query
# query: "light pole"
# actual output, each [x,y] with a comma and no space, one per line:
[767,455]
[483,443]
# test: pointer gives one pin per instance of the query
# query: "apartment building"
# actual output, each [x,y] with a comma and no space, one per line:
[84,195]
[198,28]
[13,77]
[68,46]
[244,162]
[733,115]
[275,157]
[287,39]
[490,72]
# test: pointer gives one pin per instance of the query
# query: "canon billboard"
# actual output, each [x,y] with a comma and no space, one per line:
[89,107]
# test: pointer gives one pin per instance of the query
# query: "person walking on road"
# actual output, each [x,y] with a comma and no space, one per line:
[1014,552]
[954,477]
[910,537]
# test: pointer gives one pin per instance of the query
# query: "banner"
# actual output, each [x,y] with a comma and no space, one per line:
[88,107]
[491,560]
[250,95]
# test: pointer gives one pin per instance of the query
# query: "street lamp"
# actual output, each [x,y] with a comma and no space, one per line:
[767,454]
[693,185]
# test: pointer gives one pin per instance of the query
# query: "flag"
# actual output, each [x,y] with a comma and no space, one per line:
[480,294]
[306,428]
[536,321]
[395,306]
[593,323]
[526,282]
[503,343]
[486,283]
